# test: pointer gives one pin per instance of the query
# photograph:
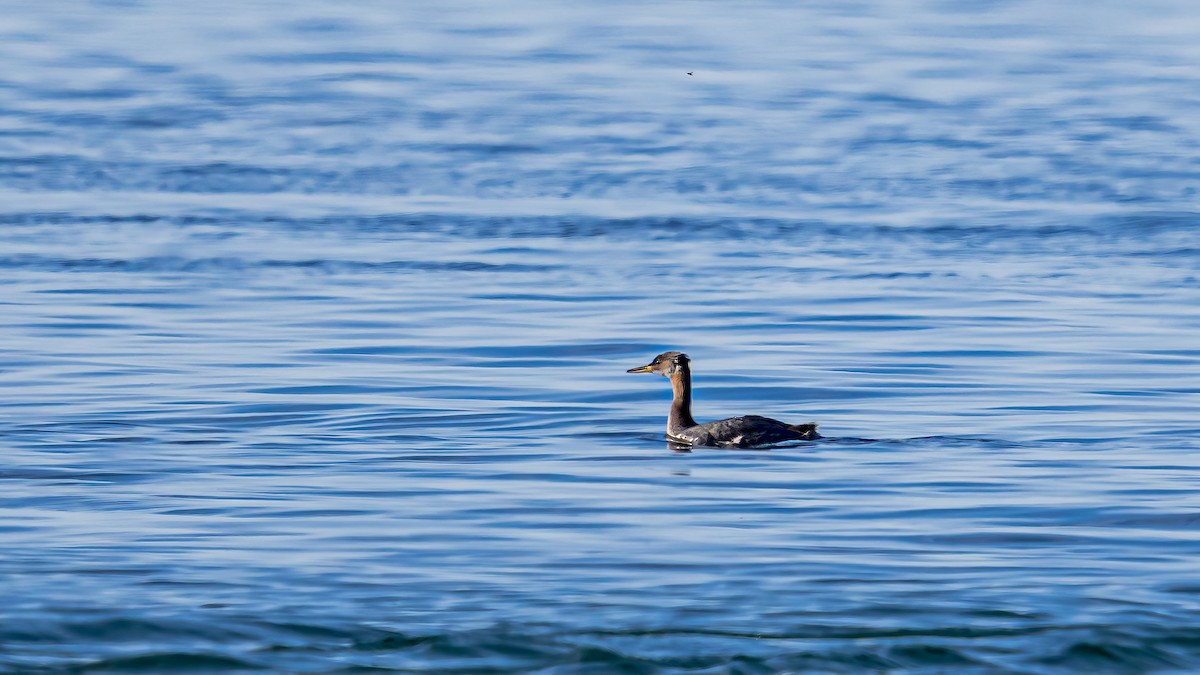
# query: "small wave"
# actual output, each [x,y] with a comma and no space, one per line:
[1017,644]
[1094,656]
[168,662]
[169,264]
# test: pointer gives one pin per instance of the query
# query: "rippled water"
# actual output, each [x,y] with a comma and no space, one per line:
[316,317]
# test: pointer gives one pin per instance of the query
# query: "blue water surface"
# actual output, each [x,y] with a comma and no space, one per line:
[315,316]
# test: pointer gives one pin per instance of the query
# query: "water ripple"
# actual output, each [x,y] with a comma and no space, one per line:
[316,321]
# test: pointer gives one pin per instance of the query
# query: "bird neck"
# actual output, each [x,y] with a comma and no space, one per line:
[681,404]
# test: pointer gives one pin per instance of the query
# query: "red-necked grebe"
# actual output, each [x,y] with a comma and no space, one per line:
[735,432]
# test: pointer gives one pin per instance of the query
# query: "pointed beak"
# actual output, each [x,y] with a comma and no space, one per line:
[639,369]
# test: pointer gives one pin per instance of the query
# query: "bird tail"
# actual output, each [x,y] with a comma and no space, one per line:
[808,429]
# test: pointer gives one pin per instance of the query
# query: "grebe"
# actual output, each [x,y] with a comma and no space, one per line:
[735,432]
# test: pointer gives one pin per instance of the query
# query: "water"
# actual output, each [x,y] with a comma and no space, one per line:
[316,317]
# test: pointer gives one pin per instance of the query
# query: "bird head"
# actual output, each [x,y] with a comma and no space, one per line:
[665,364]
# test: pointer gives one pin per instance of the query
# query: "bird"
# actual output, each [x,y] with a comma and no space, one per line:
[736,432]
[689,73]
